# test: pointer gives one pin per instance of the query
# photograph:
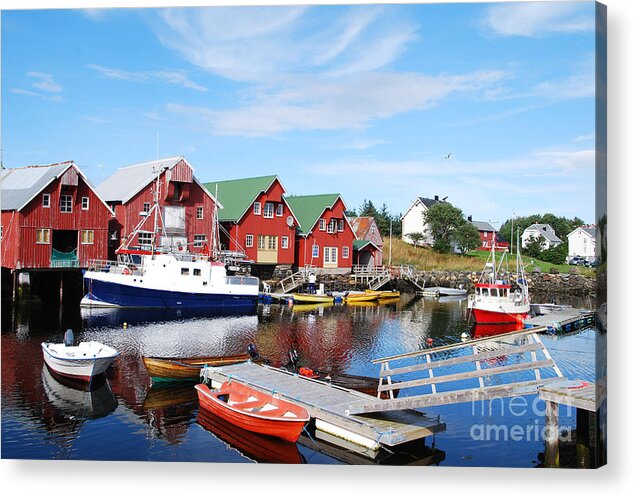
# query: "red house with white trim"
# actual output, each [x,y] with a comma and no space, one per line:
[52,217]
[324,235]
[256,219]
[487,235]
[186,207]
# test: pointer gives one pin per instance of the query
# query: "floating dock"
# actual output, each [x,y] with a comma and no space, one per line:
[565,320]
[328,404]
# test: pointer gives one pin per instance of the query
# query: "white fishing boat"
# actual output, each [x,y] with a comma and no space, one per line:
[82,362]
[494,300]
[151,276]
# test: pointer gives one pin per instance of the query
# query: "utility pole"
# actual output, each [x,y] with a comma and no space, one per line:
[390,260]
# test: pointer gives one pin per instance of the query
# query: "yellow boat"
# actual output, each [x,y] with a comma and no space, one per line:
[384,294]
[312,298]
[307,307]
[359,297]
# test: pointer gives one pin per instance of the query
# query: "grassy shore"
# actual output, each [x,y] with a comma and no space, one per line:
[426,259]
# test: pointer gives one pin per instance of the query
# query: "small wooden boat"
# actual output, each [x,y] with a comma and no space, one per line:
[81,362]
[312,298]
[262,449]
[361,383]
[384,294]
[361,297]
[254,411]
[186,369]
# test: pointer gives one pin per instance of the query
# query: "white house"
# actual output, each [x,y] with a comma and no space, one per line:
[412,220]
[582,243]
[540,231]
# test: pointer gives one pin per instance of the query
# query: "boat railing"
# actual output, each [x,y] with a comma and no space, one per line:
[243,280]
[114,267]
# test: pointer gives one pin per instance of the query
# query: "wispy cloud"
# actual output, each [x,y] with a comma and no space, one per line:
[311,103]
[47,88]
[177,78]
[364,144]
[531,19]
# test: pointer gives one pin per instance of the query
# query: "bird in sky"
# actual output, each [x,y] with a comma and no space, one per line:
[448,156]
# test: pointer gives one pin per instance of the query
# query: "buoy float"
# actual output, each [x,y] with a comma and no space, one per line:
[464,336]
[125,325]
[430,341]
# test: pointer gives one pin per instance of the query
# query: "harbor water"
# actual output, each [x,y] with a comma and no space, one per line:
[125,417]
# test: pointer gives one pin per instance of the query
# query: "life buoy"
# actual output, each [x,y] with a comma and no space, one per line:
[306,372]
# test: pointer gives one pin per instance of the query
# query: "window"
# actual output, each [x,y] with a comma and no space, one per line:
[85,203]
[199,213]
[146,207]
[261,242]
[200,240]
[66,204]
[332,226]
[341,226]
[249,241]
[269,209]
[42,236]
[272,242]
[345,252]
[322,224]
[46,200]
[315,251]
[184,271]
[87,237]
[257,208]
[330,255]
[280,210]
[145,238]
[196,272]
[284,242]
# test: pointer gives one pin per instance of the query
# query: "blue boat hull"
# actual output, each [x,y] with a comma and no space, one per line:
[111,294]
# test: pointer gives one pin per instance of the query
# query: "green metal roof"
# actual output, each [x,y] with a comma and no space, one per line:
[359,244]
[308,208]
[237,195]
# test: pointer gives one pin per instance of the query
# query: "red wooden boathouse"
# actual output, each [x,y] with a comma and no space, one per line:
[256,219]
[186,208]
[324,236]
[52,218]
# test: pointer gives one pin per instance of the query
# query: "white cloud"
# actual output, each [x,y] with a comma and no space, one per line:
[45,82]
[531,19]
[365,144]
[312,103]
[177,78]
[52,98]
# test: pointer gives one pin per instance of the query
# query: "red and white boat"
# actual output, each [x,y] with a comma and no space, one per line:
[254,411]
[494,301]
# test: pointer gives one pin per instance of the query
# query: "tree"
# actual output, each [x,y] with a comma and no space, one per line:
[561,225]
[443,219]
[416,237]
[466,237]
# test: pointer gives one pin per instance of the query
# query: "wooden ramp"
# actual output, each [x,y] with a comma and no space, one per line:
[567,319]
[484,365]
[327,404]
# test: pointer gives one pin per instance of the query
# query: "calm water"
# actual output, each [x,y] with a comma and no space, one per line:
[126,418]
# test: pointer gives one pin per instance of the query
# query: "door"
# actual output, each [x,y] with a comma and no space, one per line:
[330,257]
[267,249]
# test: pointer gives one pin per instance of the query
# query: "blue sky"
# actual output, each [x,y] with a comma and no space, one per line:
[365,100]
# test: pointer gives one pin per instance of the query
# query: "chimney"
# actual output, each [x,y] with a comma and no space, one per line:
[436,197]
[469,218]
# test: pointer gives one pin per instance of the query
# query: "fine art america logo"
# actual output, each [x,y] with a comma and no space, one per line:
[532,426]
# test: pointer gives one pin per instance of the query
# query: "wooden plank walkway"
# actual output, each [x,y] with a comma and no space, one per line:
[579,394]
[560,319]
[328,405]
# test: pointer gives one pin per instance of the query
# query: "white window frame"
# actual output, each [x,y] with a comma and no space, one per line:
[248,241]
[66,202]
[284,242]
[332,226]
[279,210]
[345,252]
[331,255]
[315,251]
[46,200]
[200,212]
[146,206]
[269,210]
[341,225]
[85,203]
[45,236]
[257,208]
[322,224]
[147,236]
[200,240]
[88,237]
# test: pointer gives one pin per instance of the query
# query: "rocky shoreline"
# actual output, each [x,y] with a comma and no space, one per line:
[570,284]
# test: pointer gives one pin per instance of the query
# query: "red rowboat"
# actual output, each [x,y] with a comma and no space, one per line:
[254,411]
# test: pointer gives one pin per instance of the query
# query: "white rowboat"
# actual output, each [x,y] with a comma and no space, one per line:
[81,362]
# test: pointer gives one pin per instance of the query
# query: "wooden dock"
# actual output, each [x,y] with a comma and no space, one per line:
[566,320]
[328,404]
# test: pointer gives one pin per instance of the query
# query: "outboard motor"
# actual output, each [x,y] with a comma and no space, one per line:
[252,350]
[69,338]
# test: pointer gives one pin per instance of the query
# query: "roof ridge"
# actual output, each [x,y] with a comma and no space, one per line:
[241,179]
[38,166]
[151,161]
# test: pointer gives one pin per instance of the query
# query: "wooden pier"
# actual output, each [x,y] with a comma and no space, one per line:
[328,404]
[565,320]
[588,398]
